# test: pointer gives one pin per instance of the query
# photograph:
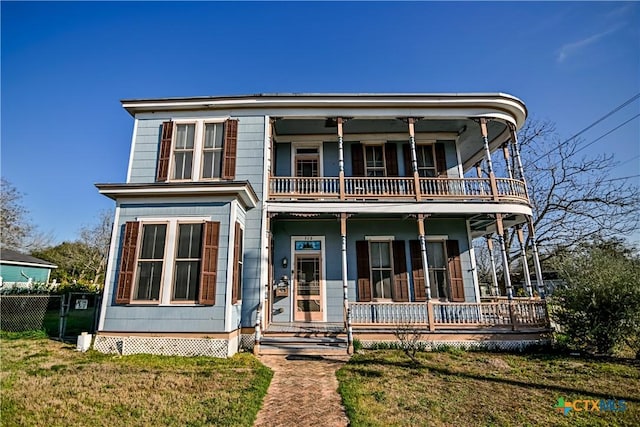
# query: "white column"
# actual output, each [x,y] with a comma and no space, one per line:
[505,257]
[536,259]
[494,275]
[345,288]
[423,252]
[525,264]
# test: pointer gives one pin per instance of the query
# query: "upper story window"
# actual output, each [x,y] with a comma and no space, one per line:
[374,160]
[197,150]
[426,164]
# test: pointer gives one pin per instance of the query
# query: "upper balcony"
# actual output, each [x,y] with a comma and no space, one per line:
[397,159]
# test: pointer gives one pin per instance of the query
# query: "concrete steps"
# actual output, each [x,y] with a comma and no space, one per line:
[317,343]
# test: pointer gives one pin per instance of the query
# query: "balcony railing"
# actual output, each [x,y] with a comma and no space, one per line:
[516,314]
[283,187]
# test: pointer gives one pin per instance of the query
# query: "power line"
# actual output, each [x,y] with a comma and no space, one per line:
[621,178]
[609,132]
[630,160]
[610,113]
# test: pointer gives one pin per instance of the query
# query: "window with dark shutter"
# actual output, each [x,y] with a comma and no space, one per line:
[230,149]
[208,274]
[127,262]
[441,159]
[236,288]
[406,155]
[417,271]
[400,290]
[455,271]
[164,153]
[362,261]
[357,159]
[391,159]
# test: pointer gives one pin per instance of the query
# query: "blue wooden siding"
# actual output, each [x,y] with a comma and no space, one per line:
[145,150]
[250,167]
[171,318]
[454,229]
[12,273]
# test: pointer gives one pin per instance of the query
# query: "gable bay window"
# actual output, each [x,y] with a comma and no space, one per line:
[173,261]
[197,149]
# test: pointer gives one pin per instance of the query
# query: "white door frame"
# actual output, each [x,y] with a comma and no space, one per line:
[323,267]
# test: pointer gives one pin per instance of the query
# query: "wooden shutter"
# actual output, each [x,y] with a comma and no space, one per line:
[209,269]
[455,271]
[400,291]
[364,280]
[127,262]
[441,159]
[230,149]
[391,158]
[417,271]
[236,264]
[164,154]
[357,159]
[406,154]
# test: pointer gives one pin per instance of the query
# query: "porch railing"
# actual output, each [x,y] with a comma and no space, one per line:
[395,187]
[444,315]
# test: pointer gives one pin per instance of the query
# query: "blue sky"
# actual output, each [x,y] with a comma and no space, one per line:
[65,67]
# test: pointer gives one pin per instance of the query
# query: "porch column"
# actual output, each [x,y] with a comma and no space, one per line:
[345,289]
[505,258]
[487,156]
[536,259]
[494,276]
[532,236]
[340,158]
[525,264]
[507,160]
[425,269]
[414,159]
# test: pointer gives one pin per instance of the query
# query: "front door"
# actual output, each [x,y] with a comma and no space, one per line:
[308,290]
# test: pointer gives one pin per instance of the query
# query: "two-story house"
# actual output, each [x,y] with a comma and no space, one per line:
[247,218]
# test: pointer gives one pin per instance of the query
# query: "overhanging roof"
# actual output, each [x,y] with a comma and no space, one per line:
[11,257]
[506,104]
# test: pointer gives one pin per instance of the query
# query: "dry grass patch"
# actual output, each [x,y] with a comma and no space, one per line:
[382,388]
[48,383]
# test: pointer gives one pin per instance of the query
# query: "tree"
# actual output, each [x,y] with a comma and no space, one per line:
[84,260]
[16,230]
[598,308]
[573,196]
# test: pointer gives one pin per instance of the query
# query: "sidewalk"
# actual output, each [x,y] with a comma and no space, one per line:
[303,392]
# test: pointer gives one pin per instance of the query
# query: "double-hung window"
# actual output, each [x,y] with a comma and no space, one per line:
[381,269]
[212,150]
[150,262]
[438,270]
[183,147]
[187,264]
[374,160]
[425,159]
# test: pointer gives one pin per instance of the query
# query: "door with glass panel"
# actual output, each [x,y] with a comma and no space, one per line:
[308,290]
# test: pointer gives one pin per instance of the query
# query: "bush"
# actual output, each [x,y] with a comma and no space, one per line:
[598,308]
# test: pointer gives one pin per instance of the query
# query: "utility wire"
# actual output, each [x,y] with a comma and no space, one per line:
[630,160]
[609,132]
[610,113]
[621,178]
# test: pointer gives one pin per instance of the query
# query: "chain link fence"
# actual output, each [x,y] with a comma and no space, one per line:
[60,316]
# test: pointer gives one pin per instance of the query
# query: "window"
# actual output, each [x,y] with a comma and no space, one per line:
[426,165]
[212,151]
[197,149]
[172,261]
[183,151]
[438,270]
[238,254]
[374,160]
[307,161]
[187,266]
[150,262]
[381,270]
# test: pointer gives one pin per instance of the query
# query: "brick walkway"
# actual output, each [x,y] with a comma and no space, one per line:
[303,393]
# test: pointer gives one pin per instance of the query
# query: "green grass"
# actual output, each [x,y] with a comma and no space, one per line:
[382,388]
[43,382]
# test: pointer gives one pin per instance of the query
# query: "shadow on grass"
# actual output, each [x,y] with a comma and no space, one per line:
[480,377]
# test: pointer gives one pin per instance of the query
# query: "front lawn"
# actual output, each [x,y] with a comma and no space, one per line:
[381,388]
[45,382]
